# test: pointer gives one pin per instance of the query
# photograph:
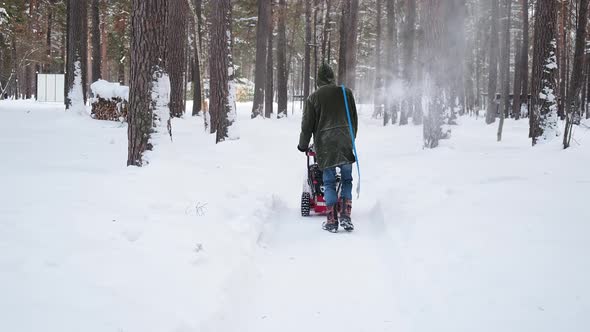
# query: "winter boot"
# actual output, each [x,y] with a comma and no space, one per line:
[331,224]
[345,209]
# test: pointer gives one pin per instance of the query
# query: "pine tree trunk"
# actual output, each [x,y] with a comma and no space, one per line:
[506,57]
[505,73]
[326,29]
[202,56]
[408,69]
[391,104]
[77,57]
[344,27]
[16,90]
[316,6]
[574,100]
[455,21]
[48,66]
[96,54]
[588,83]
[524,62]
[562,53]
[269,93]
[29,69]
[220,63]
[378,91]
[517,80]
[493,73]
[307,55]
[261,44]
[176,54]
[348,41]
[282,74]
[351,44]
[544,84]
[408,40]
[147,109]
[197,101]
[421,55]
[104,46]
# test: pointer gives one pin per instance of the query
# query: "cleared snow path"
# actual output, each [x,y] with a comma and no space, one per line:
[305,279]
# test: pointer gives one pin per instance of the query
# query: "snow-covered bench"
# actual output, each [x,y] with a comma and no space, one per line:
[110,100]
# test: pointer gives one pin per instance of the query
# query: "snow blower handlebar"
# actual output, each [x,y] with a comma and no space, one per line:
[310,151]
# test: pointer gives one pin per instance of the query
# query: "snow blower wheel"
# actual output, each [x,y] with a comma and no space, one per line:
[305,204]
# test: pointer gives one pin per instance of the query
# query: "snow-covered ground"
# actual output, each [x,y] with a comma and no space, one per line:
[472,236]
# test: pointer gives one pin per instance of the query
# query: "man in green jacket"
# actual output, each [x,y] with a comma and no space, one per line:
[325,118]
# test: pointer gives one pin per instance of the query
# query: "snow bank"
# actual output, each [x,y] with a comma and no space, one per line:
[108,90]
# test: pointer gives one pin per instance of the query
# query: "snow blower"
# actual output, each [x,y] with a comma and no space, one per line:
[312,197]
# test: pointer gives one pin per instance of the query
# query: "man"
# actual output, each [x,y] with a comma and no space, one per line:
[325,118]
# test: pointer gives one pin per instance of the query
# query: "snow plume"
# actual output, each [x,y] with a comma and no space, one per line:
[160,101]
[395,92]
[76,93]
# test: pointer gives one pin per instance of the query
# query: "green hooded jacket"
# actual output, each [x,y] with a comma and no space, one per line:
[325,118]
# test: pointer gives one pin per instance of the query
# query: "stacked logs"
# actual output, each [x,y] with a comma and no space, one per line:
[114,109]
[110,101]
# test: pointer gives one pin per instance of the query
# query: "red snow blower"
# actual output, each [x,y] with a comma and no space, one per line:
[312,197]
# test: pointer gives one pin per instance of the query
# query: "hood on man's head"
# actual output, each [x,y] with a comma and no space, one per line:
[325,75]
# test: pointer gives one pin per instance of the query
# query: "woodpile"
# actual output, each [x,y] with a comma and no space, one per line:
[110,101]
[114,109]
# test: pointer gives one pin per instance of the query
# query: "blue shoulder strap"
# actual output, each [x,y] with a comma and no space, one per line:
[358,168]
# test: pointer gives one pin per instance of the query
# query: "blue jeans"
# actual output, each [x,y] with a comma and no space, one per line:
[329,177]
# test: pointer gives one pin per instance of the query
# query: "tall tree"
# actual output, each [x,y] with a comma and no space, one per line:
[391,103]
[409,40]
[493,56]
[517,87]
[307,55]
[149,83]
[29,68]
[176,42]
[327,28]
[588,83]
[506,54]
[197,49]
[348,43]
[440,25]
[261,44]
[48,34]
[574,98]
[282,74]
[96,51]
[543,120]
[378,96]
[221,71]
[77,58]
[456,12]
[562,55]
[505,73]
[521,64]
[269,89]
[316,12]
[524,62]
